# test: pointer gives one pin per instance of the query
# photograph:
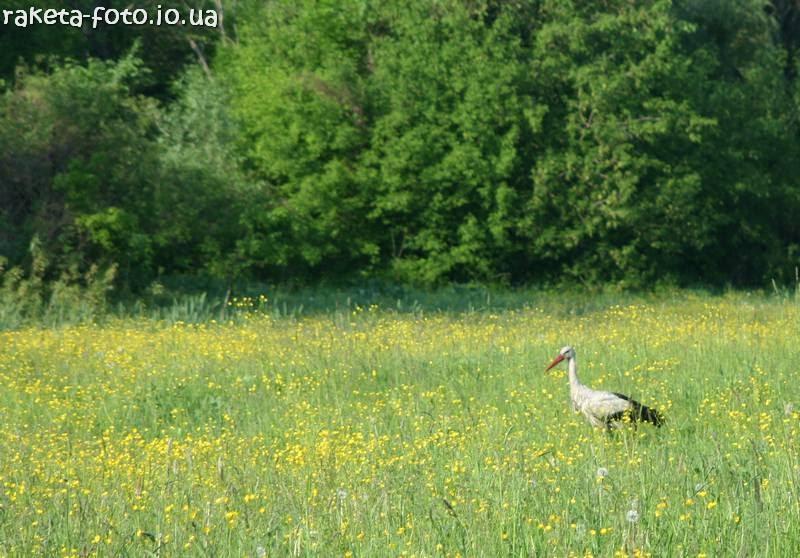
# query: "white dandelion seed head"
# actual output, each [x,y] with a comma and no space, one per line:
[602,472]
[341,494]
[632,516]
[788,409]
[261,552]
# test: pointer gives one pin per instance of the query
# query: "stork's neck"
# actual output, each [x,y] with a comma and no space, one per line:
[574,382]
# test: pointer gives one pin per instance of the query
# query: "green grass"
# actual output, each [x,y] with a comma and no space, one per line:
[427,430]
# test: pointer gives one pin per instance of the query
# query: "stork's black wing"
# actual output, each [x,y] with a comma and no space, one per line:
[638,412]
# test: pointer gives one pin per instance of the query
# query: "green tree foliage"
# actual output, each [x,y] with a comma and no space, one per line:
[102,176]
[202,190]
[77,165]
[386,136]
[659,170]
[632,142]
[297,82]
[432,141]
[448,153]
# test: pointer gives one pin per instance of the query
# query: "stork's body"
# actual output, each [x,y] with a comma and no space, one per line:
[603,409]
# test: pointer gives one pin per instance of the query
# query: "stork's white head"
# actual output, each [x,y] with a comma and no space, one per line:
[567,353]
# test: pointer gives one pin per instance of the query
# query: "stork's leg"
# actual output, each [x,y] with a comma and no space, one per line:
[612,425]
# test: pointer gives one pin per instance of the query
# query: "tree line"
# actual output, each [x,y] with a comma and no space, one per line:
[517,141]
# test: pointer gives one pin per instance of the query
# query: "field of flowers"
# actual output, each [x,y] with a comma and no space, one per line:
[371,432]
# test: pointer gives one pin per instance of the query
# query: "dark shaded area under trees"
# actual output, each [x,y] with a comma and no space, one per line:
[425,142]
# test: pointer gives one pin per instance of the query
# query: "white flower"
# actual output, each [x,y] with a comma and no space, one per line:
[261,552]
[602,472]
[341,493]
[632,516]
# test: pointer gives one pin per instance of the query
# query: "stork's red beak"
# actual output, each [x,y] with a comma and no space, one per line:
[556,360]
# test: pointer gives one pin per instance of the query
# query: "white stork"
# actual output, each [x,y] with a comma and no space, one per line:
[603,408]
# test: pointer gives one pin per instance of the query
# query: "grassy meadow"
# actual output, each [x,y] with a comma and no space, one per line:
[373,431]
